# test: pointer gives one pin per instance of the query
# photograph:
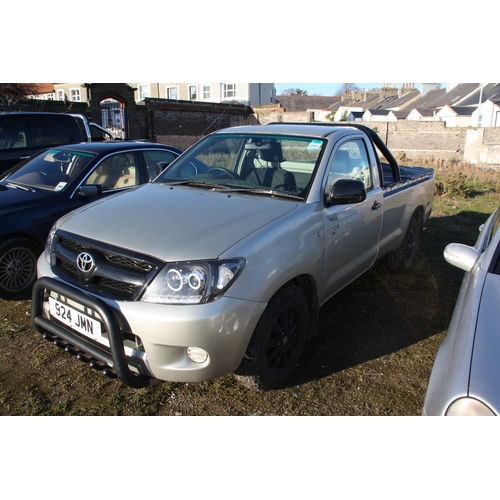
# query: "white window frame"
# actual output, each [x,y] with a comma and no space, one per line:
[190,94]
[228,90]
[143,91]
[207,92]
[60,95]
[75,94]
[172,92]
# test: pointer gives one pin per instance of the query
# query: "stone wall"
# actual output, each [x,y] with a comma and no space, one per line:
[182,123]
[39,105]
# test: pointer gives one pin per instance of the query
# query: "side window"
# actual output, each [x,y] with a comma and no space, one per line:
[351,162]
[51,132]
[115,172]
[12,134]
[153,158]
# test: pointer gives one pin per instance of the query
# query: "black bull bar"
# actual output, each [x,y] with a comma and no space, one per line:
[117,359]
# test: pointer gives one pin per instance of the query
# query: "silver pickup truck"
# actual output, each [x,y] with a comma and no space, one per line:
[221,263]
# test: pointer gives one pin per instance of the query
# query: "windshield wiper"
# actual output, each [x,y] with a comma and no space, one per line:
[229,189]
[265,192]
[20,186]
[208,185]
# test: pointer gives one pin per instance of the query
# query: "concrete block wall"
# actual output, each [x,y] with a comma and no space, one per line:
[482,146]
[422,140]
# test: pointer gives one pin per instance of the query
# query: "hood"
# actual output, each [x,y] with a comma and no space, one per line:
[175,223]
[14,200]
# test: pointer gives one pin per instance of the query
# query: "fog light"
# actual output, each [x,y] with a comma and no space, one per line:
[197,354]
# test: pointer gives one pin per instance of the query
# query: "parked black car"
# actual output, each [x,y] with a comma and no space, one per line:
[24,134]
[35,193]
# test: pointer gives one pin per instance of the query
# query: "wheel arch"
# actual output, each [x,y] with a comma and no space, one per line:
[418,213]
[308,285]
[39,242]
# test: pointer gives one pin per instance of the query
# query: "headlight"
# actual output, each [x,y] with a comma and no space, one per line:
[468,407]
[193,282]
[48,245]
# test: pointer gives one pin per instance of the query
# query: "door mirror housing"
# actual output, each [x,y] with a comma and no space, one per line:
[462,256]
[90,190]
[346,192]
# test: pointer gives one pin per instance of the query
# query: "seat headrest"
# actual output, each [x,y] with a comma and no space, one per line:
[272,151]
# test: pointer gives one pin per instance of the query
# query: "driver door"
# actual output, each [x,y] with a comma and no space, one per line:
[351,231]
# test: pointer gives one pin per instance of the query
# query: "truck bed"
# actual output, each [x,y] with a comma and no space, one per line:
[408,174]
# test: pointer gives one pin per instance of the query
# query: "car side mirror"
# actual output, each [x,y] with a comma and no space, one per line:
[462,256]
[90,190]
[346,192]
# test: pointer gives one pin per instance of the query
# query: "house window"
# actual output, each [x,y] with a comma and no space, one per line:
[60,95]
[207,94]
[75,95]
[228,90]
[193,93]
[172,93]
[143,91]
[50,97]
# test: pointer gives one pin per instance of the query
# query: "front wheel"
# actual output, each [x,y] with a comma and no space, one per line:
[277,342]
[17,268]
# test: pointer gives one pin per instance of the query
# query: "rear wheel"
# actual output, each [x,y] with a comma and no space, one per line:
[277,342]
[400,260]
[17,268]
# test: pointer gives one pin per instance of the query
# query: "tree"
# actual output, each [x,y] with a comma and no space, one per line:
[345,88]
[294,92]
[10,93]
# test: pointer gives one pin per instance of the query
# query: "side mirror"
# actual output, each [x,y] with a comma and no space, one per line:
[346,192]
[90,191]
[462,256]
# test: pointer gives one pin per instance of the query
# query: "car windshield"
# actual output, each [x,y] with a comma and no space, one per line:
[263,164]
[54,169]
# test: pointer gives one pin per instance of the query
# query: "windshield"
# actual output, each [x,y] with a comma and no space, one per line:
[54,169]
[264,164]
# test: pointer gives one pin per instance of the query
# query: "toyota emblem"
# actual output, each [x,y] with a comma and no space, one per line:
[85,262]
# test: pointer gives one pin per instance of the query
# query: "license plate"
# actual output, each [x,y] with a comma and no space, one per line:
[75,319]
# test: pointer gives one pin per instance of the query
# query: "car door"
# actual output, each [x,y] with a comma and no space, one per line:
[15,141]
[114,173]
[351,231]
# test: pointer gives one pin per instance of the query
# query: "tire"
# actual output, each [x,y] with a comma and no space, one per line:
[17,268]
[400,260]
[277,342]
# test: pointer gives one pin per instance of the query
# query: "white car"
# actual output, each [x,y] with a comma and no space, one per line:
[464,379]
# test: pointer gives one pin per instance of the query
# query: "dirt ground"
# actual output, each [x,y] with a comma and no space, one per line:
[373,355]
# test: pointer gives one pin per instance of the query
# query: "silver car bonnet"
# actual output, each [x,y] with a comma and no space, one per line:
[175,223]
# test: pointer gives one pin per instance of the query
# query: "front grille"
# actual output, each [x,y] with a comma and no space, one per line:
[120,260]
[117,274]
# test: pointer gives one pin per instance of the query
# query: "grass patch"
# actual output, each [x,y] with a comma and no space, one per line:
[373,354]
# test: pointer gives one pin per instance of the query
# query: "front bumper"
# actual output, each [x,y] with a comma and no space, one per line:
[142,342]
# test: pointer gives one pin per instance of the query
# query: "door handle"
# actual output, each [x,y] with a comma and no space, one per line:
[376,205]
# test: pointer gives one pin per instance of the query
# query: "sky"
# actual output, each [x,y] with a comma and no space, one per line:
[329,89]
